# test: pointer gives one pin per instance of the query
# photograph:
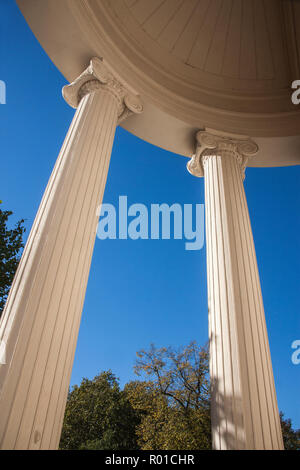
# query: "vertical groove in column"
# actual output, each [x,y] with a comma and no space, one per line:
[224,399]
[40,241]
[269,387]
[228,423]
[225,269]
[212,354]
[241,370]
[101,173]
[232,365]
[243,306]
[52,338]
[32,266]
[43,282]
[260,359]
[49,299]
[213,340]
[218,320]
[8,319]
[264,366]
[235,292]
[42,407]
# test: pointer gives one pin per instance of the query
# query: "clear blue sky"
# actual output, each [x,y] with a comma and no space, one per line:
[147,290]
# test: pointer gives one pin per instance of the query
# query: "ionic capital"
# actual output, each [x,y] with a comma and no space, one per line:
[98,76]
[211,144]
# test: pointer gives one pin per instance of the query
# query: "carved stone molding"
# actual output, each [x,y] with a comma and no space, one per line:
[98,76]
[211,144]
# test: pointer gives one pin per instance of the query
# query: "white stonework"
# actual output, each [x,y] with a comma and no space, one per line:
[244,407]
[41,319]
[198,64]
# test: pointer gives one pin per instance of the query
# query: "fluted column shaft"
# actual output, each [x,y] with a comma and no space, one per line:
[244,406]
[41,319]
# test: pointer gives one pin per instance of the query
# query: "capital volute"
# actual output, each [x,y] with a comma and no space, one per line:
[210,144]
[98,76]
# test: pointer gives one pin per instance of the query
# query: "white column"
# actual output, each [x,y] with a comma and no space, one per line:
[41,319]
[244,406]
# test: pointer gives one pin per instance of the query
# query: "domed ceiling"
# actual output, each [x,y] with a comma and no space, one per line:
[236,44]
[222,64]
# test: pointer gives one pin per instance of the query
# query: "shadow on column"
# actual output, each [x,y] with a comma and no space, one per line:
[227,419]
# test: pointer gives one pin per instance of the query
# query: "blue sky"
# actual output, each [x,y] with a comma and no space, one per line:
[146,290]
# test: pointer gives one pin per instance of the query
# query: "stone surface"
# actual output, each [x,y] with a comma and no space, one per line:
[244,406]
[42,315]
[196,64]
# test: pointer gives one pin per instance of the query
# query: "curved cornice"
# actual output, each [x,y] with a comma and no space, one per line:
[70,34]
[270,113]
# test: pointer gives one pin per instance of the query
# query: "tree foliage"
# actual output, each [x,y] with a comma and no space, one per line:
[11,243]
[291,437]
[99,416]
[181,375]
[168,408]
[175,401]
[167,427]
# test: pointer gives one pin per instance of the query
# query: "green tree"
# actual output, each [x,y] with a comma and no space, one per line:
[291,437]
[182,375]
[175,402]
[11,243]
[99,416]
[169,410]
[164,426]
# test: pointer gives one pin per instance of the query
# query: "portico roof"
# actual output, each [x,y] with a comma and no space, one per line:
[196,64]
